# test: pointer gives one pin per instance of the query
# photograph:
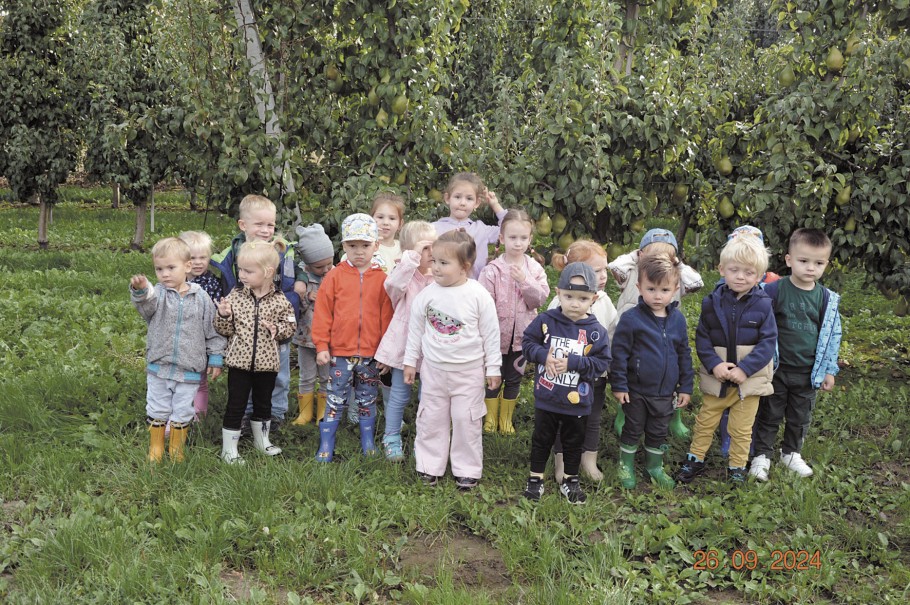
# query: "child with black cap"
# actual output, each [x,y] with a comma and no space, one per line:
[571,350]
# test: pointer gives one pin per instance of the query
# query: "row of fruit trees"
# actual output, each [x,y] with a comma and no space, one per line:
[594,115]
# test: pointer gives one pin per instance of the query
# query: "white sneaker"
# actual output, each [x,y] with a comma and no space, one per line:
[795,463]
[759,467]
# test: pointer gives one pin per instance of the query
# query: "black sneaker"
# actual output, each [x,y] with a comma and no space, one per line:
[690,469]
[275,425]
[245,431]
[466,483]
[571,489]
[737,476]
[534,489]
[430,480]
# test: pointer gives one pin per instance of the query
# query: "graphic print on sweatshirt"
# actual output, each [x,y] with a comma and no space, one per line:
[444,324]
[560,348]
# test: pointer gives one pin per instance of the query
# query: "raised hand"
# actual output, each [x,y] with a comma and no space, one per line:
[139,282]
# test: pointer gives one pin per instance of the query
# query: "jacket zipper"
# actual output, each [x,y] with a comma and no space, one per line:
[255,330]
[176,354]
[360,315]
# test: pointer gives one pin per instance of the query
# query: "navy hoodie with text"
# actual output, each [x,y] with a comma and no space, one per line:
[586,345]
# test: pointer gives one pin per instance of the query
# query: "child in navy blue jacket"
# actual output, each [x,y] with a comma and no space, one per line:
[651,361]
[571,350]
[735,341]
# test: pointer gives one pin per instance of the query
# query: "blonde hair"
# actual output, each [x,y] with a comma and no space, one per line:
[388,199]
[658,249]
[414,232]
[171,246]
[581,251]
[253,203]
[748,251]
[198,241]
[263,254]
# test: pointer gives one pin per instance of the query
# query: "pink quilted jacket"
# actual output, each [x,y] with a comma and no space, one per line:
[516,304]
[402,285]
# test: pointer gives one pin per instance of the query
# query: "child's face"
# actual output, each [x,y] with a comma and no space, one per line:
[740,278]
[575,304]
[320,268]
[599,265]
[360,252]
[462,200]
[657,296]
[807,264]
[252,274]
[515,237]
[447,271]
[199,261]
[259,225]
[170,271]
[388,221]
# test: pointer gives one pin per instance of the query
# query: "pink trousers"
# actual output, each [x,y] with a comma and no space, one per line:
[450,421]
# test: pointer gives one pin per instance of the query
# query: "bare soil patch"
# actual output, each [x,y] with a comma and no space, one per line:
[474,562]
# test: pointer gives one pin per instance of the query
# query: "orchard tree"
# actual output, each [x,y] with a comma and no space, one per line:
[129,92]
[38,117]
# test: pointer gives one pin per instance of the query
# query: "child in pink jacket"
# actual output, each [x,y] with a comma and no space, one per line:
[518,284]
[411,275]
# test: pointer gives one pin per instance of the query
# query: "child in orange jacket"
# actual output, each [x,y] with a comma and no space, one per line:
[352,313]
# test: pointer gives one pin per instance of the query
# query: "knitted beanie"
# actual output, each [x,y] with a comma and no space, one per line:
[313,244]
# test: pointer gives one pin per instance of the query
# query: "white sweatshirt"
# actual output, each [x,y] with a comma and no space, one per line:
[454,328]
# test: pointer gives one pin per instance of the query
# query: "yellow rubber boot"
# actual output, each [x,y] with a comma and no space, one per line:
[305,405]
[506,409]
[492,418]
[177,441]
[320,407]
[156,440]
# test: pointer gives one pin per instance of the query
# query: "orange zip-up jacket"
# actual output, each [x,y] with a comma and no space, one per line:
[352,311]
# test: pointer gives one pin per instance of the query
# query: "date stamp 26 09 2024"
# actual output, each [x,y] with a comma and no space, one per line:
[779,560]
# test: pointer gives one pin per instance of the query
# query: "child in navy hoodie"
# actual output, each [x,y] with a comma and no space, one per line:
[571,350]
[651,361]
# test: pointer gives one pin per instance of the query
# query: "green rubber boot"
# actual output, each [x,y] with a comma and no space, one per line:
[626,469]
[620,420]
[677,427]
[654,462]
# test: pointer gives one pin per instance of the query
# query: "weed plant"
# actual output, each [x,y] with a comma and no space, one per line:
[85,519]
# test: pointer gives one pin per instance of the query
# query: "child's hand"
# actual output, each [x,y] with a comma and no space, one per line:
[224,308]
[517,273]
[493,382]
[300,288]
[323,358]
[272,328]
[493,202]
[383,368]
[213,372]
[139,282]
[424,244]
[722,371]
[410,373]
[622,398]
[312,296]
[683,399]
[828,382]
[737,375]
[554,366]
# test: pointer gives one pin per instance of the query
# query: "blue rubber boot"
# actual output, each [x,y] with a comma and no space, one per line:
[368,435]
[724,435]
[327,429]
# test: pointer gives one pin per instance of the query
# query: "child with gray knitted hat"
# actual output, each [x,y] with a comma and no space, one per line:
[317,255]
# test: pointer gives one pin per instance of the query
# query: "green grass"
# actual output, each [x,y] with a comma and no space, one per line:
[84,518]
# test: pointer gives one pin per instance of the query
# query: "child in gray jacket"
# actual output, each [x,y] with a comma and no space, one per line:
[181,344]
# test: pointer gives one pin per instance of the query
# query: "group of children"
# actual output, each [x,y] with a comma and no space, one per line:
[429,305]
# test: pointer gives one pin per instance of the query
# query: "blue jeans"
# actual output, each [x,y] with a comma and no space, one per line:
[352,373]
[282,384]
[399,397]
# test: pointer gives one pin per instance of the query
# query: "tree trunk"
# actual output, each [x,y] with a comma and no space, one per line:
[194,203]
[681,234]
[115,196]
[43,215]
[623,63]
[262,91]
[139,237]
[152,198]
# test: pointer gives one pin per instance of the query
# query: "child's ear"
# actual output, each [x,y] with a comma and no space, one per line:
[241,224]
